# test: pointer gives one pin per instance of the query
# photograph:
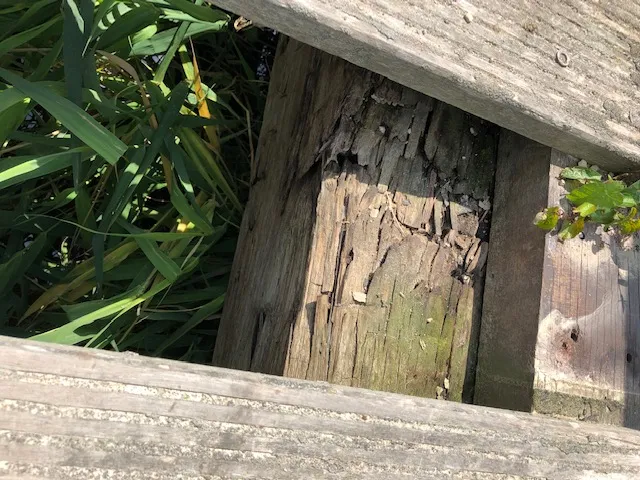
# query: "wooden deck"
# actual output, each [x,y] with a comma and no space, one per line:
[70,413]
[502,61]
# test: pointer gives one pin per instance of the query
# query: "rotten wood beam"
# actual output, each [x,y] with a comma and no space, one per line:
[361,253]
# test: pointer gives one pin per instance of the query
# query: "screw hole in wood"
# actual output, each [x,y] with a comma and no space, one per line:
[574,334]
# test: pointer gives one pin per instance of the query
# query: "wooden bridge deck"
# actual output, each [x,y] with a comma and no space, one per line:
[72,413]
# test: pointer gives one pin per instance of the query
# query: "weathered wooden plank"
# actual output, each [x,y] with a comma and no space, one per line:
[514,275]
[71,413]
[586,353]
[494,59]
[343,272]
[560,319]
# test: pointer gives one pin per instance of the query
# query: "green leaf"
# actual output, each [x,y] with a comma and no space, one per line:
[160,260]
[580,173]
[203,312]
[571,229]
[603,195]
[628,200]
[585,209]
[160,42]
[603,217]
[71,116]
[632,191]
[16,170]
[548,218]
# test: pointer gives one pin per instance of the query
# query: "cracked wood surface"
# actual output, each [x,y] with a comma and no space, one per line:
[361,253]
[68,413]
[495,59]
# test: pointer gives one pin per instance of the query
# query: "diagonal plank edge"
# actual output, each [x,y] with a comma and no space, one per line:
[68,412]
[494,59]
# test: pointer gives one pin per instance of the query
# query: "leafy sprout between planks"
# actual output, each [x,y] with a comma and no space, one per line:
[593,198]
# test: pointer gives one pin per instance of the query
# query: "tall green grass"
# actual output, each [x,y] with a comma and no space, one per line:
[127,132]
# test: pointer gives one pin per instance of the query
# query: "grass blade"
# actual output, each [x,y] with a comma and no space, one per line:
[192,213]
[71,116]
[127,25]
[200,153]
[23,37]
[11,96]
[45,66]
[211,308]
[176,41]
[77,16]
[160,42]
[15,170]
[160,260]
[13,270]
[143,159]
[68,334]
[83,272]
[35,12]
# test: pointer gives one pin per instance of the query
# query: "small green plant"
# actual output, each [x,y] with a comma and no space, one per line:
[593,198]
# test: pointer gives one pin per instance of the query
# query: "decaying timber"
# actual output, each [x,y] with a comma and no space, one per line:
[361,253]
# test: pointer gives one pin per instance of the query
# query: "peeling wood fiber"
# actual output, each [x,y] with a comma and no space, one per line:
[361,253]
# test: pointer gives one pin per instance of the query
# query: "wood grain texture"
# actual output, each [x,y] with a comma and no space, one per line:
[68,413]
[561,320]
[500,66]
[515,265]
[587,354]
[361,253]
